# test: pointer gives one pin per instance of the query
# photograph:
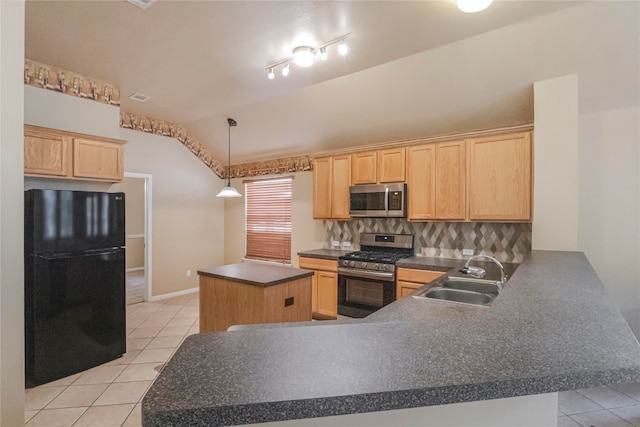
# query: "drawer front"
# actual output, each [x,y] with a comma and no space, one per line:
[318,264]
[417,276]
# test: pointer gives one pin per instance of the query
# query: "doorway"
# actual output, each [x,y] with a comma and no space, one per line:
[137,189]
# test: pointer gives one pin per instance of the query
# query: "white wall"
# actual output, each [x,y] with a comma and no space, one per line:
[587,188]
[188,220]
[306,233]
[555,206]
[11,214]
[609,204]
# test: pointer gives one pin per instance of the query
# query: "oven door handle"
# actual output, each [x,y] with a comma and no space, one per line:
[354,272]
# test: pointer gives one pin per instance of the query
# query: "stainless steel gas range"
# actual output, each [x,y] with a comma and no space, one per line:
[367,279]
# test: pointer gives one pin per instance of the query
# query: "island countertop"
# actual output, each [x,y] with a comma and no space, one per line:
[256,274]
[552,328]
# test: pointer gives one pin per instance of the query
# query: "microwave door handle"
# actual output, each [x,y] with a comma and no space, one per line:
[386,200]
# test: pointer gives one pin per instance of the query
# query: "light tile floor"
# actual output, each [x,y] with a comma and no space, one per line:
[109,395]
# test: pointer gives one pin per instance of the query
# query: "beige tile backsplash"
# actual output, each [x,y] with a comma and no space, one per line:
[507,242]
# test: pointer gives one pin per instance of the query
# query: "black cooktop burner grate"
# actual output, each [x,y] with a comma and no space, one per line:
[379,257]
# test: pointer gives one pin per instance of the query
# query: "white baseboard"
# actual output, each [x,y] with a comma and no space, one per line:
[174,294]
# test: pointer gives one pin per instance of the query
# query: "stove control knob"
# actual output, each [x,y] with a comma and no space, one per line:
[364,265]
[378,267]
[352,263]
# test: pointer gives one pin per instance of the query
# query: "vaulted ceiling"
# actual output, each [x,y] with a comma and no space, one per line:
[415,68]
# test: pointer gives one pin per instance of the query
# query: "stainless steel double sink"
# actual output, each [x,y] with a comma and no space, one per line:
[463,290]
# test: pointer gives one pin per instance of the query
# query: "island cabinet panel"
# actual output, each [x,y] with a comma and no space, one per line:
[324,297]
[97,159]
[421,182]
[224,303]
[391,165]
[331,181]
[364,168]
[409,279]
[450,180]
[500,177]
[46,154]
[55,153]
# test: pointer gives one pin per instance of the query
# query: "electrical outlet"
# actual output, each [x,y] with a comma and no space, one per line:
[188,273]
[467,252]
[346,245]
[335,244]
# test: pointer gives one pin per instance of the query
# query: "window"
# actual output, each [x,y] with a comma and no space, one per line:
[268,219]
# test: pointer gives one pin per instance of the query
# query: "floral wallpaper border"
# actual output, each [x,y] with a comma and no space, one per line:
[64,81]
[172,130]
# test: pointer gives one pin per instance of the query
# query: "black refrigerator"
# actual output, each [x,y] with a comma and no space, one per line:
[74,282]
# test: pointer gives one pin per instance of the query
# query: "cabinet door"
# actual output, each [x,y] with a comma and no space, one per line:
[46,154]
[450,180]
[405,288]
[364,168]
[97,159]
[341,180]
[421,182]
[322,188]
[391,165]
[500,178]
[327,294]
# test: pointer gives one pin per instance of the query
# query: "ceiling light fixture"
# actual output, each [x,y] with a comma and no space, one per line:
[343,48]
[304,56]
[472,6]
[229,190]
[323,53]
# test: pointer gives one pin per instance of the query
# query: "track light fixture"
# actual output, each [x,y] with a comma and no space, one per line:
[304,56]
[472,6]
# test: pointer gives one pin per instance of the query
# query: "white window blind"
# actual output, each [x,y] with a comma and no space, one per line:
[268,219]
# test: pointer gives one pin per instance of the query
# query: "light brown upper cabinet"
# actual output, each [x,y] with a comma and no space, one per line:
[421,182]
[364,168]
[381,166]
[450,180]
[391,165]
[46,154]
[436,181]
[500,177]
[331,181]
[59,154]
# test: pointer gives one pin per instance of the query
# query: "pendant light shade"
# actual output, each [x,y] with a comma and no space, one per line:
[229,191]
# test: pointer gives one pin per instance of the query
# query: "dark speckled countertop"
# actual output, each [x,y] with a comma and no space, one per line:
[331,254]
[256,274]
[552,328]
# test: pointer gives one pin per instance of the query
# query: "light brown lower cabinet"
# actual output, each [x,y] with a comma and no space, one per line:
[410,279]
[324,287]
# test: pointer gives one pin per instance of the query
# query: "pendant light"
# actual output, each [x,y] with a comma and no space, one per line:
[229,191]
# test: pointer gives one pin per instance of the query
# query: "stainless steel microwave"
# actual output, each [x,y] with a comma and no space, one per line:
[378,200]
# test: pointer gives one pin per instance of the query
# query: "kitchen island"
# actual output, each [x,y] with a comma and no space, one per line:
[552,328]
[249,292]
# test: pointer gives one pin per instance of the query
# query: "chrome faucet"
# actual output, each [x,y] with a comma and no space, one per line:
[479,272]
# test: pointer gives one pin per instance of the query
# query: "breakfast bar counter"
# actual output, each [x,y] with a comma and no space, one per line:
[552,328]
